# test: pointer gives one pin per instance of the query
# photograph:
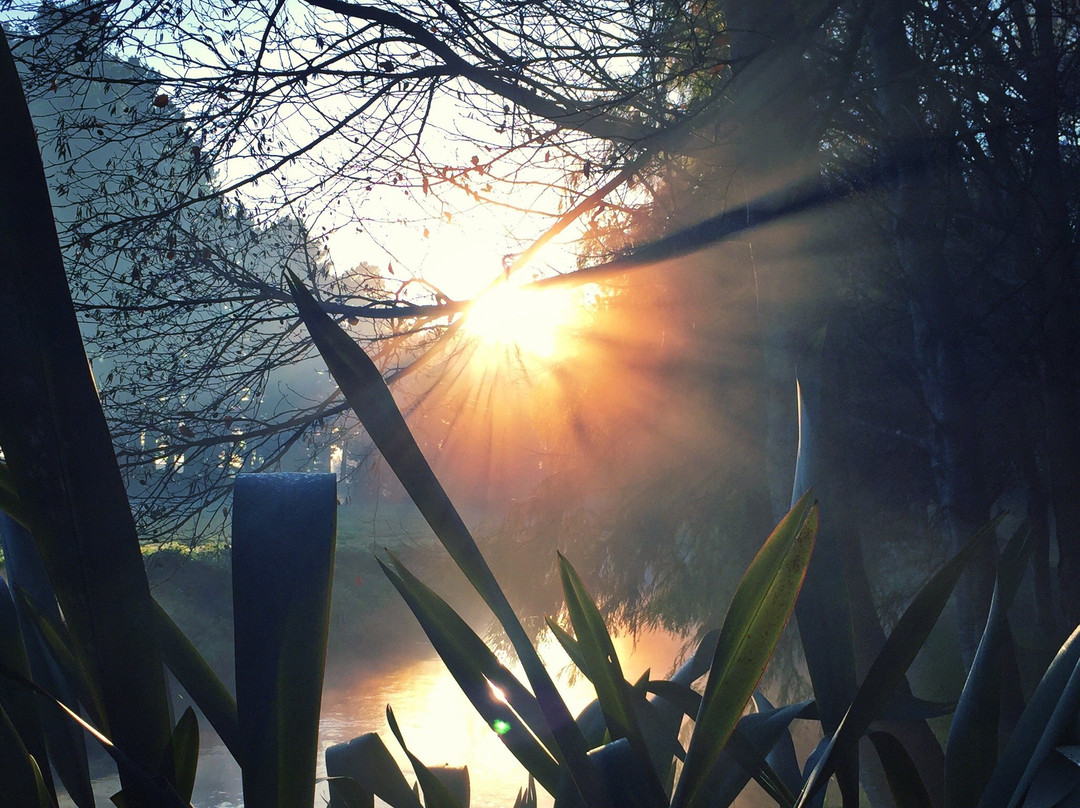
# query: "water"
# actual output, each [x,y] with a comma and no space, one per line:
[437,721]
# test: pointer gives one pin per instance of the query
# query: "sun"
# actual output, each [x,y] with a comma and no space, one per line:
[526,320]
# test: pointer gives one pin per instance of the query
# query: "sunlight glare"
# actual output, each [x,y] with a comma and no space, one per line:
[529,320]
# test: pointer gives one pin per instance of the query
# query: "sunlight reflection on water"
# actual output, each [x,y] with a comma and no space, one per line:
[438,723]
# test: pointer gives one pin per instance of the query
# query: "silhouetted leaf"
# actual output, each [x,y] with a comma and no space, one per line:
[19,771]
[762,732]
[284,528]
[148,788]
[971,751]
[366,392]
[826,608]
[183,754]
[603,669]
[367,763]
[199,680]
[58,449]
[64,652]
[436,794]
[568,644]
[903,776]
[1057,777]
[65,742]
[477,670]
[20,705]
[9,497]
[1049,712]
[526,797]
[889,667]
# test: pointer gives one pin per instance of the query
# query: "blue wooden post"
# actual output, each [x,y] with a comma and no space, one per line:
[284,528]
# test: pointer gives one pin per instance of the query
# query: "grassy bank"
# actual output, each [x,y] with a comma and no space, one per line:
[369,624]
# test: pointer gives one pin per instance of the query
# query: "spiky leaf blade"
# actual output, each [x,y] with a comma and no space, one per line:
[58,449]
[436,794]
[1051,707]
[759,611]
[889,667]
[368,395]
[971,751]
[515,715]
[183,752]
[363,767]
[196,676]
[603,669]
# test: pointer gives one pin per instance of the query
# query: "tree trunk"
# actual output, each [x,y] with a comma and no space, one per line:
[919,207]
[1056,255]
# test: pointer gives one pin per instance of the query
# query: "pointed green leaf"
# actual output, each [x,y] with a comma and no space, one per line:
[43,795]
[148,788]
[755,620]
[21,706]
[65,742]
[19,772]
[59,452]
[437,612]
[568,644]
[64,652]
[603,669]
[183,752]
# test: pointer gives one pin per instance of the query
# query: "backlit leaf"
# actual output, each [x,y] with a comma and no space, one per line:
[755,620]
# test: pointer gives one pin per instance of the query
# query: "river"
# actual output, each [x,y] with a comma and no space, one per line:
[437,721]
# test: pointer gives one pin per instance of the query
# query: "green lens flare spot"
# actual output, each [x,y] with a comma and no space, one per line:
[501,727]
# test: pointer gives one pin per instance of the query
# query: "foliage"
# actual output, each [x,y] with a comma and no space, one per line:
[79,556]
[112,643]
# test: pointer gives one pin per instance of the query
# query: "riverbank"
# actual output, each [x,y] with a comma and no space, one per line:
[370,626]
